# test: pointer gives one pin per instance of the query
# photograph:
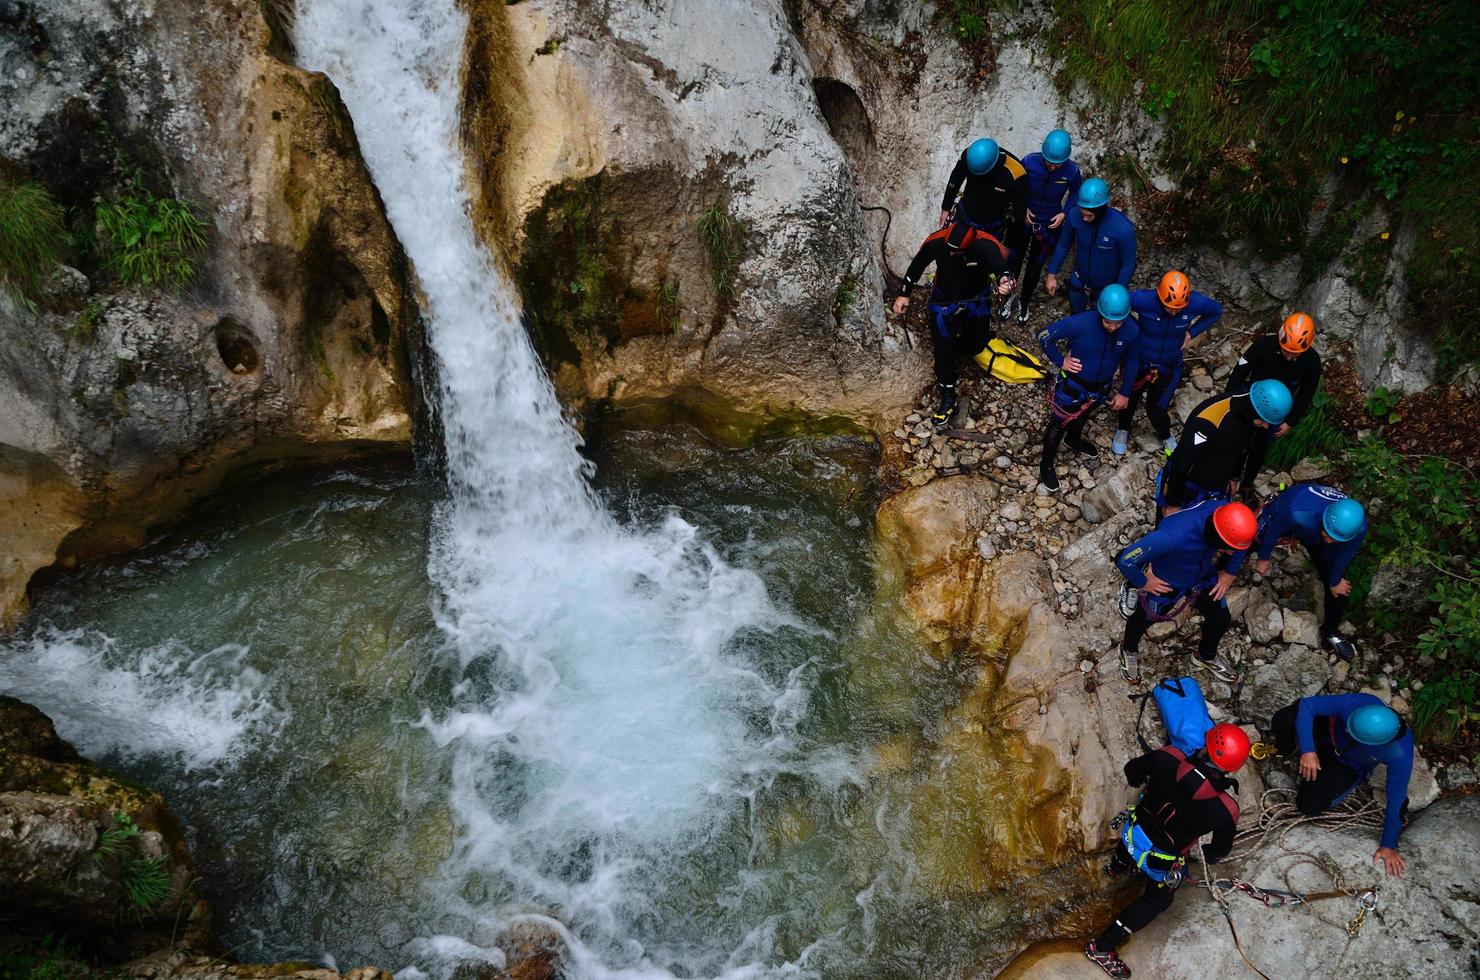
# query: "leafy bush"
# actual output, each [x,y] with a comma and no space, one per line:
[33,239]
[1316,435]
[149,241]
[145,880]
[724,240]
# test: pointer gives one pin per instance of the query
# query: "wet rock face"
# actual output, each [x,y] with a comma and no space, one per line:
[118,406]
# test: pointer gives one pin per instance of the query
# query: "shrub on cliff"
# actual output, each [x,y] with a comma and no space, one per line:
[33,239]
[147,240]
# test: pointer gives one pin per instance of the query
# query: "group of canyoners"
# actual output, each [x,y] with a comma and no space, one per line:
[1124,346]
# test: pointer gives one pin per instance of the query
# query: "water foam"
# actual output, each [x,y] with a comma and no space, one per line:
[621,731]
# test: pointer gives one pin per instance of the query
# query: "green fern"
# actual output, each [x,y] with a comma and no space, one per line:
[150,241]
[33,239]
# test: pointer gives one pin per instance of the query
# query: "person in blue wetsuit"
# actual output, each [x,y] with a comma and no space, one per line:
[1178,563]
[1100,343]
[1170,316]
[1342,738]
[1332,526]
[1104,243]
[1053,189]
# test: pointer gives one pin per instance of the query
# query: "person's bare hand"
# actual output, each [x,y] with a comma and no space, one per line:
[1341,588]
[1031,215]
[901,304]
[1280,432]
[1004,285]
[1051,283]
[1186,340]
[1119,402]
[1219,590]
[1310,765]
[1058,219]
[1391,862]
[1154,585]
[945,216]
[1169,510]
[1262,566]
[1073,364]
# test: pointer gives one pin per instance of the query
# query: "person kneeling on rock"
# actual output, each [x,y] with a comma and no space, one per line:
[1342,738]
[1184,799]
[1331,525]
[1101,342]
[966,261]
[1175,566]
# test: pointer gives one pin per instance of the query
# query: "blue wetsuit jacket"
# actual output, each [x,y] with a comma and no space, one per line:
[1297,512]
[1105,250]
[1050,192]
[1162,336]
[1099,351]
[1178,549]
[1397,755]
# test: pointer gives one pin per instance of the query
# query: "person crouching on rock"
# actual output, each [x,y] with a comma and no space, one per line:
[1101,342]
[1331,525]
[1216,455]
[1175,566]
[966,261]
[1342,738]
[1183,800]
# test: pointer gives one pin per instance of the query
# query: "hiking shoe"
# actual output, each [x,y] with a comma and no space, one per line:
[1169,444]
[1119,443]
[1341,646]
[1008,308]
[942,416]
[1220,668]
[1129,598]
[1107,960]
[1049,480]
[1130,667]
[1022,314]
[1084,448]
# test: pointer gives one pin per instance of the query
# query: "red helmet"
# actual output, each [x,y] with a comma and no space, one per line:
[1174,290]
[1236,525]
[1228,747]
[1297,333]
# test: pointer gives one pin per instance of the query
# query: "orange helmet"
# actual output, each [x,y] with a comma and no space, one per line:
[1236,525]
[1228,746]
[1297,333]
[1173,290]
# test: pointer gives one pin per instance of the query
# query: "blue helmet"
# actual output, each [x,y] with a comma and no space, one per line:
[1114,302]
[1056,146]
[1343,519]
[1094,193]
[982,155]
[1271,400]
[1373,724]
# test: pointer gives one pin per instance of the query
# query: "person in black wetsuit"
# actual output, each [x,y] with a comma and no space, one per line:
[1216,449]
[966,262]
[994,193]
[1287,357]
[1184,799]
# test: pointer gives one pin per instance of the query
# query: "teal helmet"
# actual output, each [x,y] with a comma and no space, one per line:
[1094,193]
[1373,724]
[1056,146]
[1343,519]
[1114,302]
[1271,400]
[982,155]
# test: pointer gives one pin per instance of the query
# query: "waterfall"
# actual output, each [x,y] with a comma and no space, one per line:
[619,732]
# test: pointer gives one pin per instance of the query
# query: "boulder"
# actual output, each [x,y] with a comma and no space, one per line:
[1297,673]
[1423,786]
[1426,924]
[1263,618]
[1302,628]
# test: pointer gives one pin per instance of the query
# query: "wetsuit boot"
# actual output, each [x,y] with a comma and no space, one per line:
[1051,439]
[942,416]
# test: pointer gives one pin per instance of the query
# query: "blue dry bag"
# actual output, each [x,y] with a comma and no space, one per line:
[1184,712]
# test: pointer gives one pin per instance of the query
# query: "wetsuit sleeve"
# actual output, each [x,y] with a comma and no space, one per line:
[1208,313]
[1179,464]
[953,185]
[1138,554]
[1310,380]
[1280,523]
[1020,213]
[1138,770]
[1049,337]
[1239,380]
[1398,774]
[922,261]
[1130,364]
[1252,461]
[1061,250]
[993,256]
[1075,182]
[1127,256]
[1321,704]
[1222,841]
[1341,559]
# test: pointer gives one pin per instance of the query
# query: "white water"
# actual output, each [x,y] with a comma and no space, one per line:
[621,734]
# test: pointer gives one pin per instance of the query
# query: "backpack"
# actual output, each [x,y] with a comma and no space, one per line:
[1183,712]
[1009,362]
